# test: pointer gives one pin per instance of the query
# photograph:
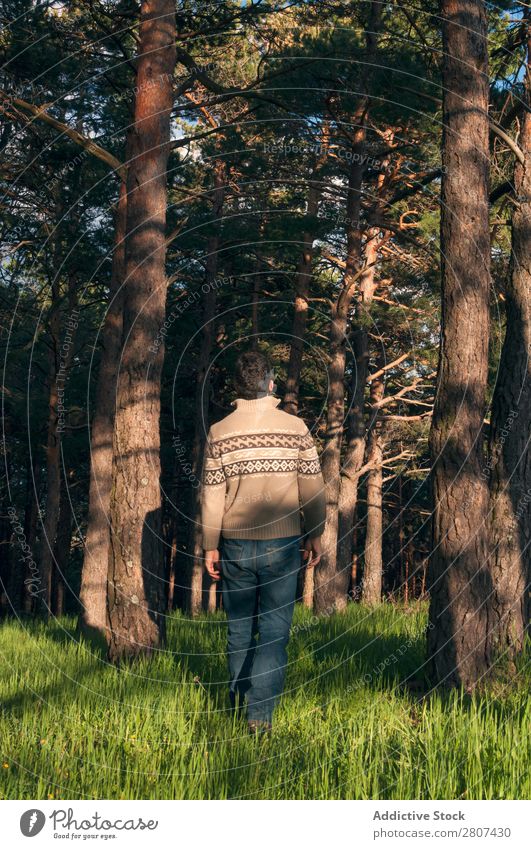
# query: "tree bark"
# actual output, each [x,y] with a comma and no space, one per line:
[62,550]
[93,591]
[459,580]
[212,597]
[257,285]
[356,433]
[303,280]
[31,516]
[53,466]
[203,391]
[372,569]
[172,534]
[58,367]
[331,585]
[331,580]
[354,590]
[136,560]
[510,480]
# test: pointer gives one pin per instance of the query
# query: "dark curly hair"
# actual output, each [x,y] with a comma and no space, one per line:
[252,368]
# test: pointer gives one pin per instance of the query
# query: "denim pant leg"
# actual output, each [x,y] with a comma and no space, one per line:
[278,566]
[240,594]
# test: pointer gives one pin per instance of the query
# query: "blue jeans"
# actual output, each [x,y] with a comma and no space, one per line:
[259,585]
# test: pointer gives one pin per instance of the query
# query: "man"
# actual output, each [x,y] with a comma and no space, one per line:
[261,467]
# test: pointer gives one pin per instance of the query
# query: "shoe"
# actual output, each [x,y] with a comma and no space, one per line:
[259,726]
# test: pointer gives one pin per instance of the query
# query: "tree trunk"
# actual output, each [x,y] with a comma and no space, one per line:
[459,580]
[372,570]
[53,462]
[303,280]
[212,597]
[402,560]
[62,550]
[331,580]
[20,573]
[136,559]
[410,560]
[8,564]
[255,296]
[257,286]
[58,368]
[203,391]
[331,584]
[355,450]
[510,483]
[31,516]
[172,533]
[93,591]
[308,587]
[354,565]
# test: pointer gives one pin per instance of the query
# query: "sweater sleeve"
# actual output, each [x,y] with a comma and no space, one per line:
[213,495]
[311,486]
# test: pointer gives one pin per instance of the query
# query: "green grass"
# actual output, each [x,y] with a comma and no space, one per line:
[72,726]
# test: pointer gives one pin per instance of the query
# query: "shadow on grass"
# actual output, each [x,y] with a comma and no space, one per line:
[330,656]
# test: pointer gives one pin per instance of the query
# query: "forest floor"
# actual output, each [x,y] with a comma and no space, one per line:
[71,726]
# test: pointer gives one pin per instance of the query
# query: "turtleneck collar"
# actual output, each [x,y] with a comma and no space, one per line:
[257,405]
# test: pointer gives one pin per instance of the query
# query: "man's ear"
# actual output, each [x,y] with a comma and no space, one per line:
[271,384]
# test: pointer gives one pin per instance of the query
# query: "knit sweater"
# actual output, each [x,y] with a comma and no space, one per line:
[260,468]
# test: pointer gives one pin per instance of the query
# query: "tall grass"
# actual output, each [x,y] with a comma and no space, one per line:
[73,727]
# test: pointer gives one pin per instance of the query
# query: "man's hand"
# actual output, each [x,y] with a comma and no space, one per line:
[312,551]
[211,564]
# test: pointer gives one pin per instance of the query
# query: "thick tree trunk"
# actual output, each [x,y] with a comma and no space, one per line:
[373,563]
[355,449]
[510,483]
[331,580]
[93,591]
[203,392]
[136,559]
[331,584]
[459,579]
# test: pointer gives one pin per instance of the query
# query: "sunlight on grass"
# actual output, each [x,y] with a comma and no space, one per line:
[73,727]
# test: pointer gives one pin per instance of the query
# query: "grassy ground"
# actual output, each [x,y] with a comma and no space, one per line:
[72,726]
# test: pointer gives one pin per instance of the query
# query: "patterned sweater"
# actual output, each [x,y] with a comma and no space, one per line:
[261,467]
